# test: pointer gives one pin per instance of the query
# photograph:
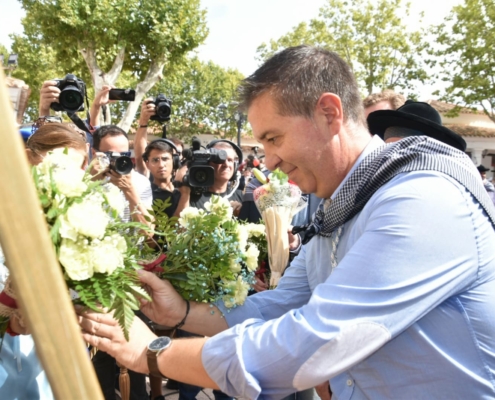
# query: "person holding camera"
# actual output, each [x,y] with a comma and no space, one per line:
[112,161]
[224,178]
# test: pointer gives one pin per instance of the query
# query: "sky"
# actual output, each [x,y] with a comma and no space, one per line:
[238,27]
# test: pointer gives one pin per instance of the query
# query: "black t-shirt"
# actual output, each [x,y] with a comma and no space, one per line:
[199,200]
[162,194]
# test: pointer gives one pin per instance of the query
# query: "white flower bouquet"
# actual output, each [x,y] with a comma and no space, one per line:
[98,252]
[278,201]
[212,256]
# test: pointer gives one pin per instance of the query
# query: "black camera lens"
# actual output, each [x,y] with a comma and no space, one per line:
[123,165]
[71,98]
[163,110]
[200,177]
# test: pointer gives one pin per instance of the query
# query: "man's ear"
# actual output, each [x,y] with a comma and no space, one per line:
[329,106]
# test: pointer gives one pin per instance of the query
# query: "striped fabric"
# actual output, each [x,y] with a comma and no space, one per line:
[415,153]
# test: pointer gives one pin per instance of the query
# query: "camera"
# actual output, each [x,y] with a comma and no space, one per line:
[163,108]
[72,93]
[200,173]
[118,162]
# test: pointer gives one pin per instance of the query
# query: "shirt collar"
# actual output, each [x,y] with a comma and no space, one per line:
[374,143]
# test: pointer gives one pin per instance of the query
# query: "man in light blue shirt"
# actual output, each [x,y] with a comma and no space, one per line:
[394,295]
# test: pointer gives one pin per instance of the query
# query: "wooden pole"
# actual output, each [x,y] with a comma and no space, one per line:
[36,274]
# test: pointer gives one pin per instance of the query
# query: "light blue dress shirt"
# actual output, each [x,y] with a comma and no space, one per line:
[408,313]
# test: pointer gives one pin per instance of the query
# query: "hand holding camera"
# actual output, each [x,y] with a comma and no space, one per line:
[49,94]
[71,93]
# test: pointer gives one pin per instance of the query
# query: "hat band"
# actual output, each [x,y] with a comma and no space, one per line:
[397,131]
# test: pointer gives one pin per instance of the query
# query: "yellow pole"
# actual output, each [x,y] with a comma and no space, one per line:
[36,274]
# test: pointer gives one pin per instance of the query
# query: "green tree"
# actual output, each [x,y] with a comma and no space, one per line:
[149,35]
[197,90]
[370,36]
[466,56]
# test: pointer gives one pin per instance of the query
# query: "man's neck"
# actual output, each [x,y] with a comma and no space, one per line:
[218,187]
[165,184]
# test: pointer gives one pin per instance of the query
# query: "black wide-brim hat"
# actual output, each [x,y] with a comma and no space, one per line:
[418,116]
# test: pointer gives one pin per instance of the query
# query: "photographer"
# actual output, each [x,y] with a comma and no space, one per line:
[50,99]
[135,187]
[224,174]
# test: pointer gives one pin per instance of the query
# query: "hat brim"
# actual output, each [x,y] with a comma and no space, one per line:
[379,121]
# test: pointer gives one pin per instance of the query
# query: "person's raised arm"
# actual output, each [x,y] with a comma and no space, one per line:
[49,93]
[141,138]
[101,99]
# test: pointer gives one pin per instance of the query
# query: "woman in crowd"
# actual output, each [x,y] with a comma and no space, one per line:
[21,374]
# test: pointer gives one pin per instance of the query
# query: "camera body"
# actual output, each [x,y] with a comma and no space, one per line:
[72,93]
[118,162]
[163,108]
[200,173]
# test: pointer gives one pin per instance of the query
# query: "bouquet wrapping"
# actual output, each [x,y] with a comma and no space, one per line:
[278,200]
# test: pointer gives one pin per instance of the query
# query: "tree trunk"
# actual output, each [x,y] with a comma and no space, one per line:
[101,78]
[153,75]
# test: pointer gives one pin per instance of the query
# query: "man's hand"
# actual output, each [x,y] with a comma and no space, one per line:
[259,285]
[102,98]
[103,331]
[323,390]
[294,240]
[236,206]
[49,94]
[148,109]
[123,182]
[167,306]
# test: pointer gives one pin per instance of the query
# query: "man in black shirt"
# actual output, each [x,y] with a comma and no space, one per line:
[224,179]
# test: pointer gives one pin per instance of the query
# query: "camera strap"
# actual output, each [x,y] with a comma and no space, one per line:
[79,122]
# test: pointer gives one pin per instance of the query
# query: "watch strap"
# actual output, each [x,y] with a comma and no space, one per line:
[153,363]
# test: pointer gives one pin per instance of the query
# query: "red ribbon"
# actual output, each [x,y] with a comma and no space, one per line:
[8,301]
[154,266]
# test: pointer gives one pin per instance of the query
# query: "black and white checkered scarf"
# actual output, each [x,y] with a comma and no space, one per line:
[415,153]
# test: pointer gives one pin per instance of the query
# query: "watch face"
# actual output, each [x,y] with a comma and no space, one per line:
[160,343]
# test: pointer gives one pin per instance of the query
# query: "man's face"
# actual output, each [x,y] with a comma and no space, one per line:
[381,105]
[160,164]
[117,144]
[306,150]
[223,172]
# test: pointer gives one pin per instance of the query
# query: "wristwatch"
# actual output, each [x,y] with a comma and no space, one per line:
[155,348]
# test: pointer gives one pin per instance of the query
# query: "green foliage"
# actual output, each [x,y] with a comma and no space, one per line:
[465,55]
[197,89]
[92,38]
[370,36]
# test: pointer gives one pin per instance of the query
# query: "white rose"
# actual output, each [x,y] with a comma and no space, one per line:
[108,254]
[69,181]
[76,260]
[67,231]
[114,198]
[188,214]
[220,207]
[255,230]
[252,254]
[89,218]
[242,237]
[237,293]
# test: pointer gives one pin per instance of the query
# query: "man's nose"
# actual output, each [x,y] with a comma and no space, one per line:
[272,161]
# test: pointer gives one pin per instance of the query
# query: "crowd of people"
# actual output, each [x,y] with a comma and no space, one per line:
[391,286]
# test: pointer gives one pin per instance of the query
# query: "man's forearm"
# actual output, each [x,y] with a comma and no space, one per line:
[182,362]
[94,115]
[205,319]
[140,143]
